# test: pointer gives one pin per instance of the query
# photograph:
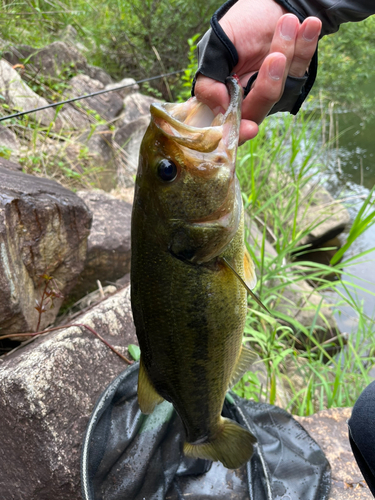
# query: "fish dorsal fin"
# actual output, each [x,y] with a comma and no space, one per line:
[148,398]
[232,268]
[249,270]
[246,359]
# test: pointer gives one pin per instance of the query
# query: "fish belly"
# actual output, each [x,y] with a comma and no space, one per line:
[189,321]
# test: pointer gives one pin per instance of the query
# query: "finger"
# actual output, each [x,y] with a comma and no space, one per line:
[248,130]
[305,46]
[212,93]
[267,89]
[285,36]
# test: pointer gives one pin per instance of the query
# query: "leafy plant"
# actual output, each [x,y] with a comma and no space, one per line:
[297,368]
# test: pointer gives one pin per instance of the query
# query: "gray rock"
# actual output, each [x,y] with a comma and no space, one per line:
[43,229]
[48,390]
[137,105]
[108,252]
[131,88]
[20,97]
[53,60]
[330,431]
[108,105]
[101,155]
[297,300]
[9,143]
[10,165]
[321,214]
[99,74]
[73,118]
[129,137]
[69,34]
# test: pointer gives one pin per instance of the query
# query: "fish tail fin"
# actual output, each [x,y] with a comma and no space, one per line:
[233,445]
[148,398]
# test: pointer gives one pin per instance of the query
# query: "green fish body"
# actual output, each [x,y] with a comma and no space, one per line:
[189,305]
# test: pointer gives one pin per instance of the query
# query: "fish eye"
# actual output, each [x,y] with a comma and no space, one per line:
[167,170]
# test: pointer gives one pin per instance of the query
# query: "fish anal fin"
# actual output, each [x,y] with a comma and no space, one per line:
[244,363]
[249,270]
[232,445]
[148,398]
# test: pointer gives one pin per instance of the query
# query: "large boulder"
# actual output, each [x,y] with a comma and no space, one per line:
[48,390]
[107,105]
[137,105]
[101,156]
[9,143]
[132,127]
[130,88]
[330,431]
[43,231]
[108,252]
[320,215]
[99,74]
[19,96]
[54,60]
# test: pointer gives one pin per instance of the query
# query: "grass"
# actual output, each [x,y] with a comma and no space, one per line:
[298,368]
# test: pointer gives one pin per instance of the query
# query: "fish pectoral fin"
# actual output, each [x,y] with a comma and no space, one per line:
[244,363]
[249,270]
[148,398]
[243,282]
[232,445]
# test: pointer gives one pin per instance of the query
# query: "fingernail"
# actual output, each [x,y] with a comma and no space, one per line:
[288,28]
[309,32]
[218,110]
[277,68]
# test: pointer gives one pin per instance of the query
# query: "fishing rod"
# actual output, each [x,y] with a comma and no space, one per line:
[99,92]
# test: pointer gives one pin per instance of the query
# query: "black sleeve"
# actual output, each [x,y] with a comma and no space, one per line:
[332,13]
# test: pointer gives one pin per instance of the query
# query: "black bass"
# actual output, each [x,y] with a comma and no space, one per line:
[189,271]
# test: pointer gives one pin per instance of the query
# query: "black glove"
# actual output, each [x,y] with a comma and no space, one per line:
[217,56]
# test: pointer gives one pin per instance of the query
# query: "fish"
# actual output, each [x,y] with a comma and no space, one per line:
[190,273]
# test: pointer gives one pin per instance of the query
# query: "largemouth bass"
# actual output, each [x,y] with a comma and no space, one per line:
[188,273]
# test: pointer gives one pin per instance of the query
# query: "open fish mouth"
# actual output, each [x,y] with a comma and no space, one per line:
[193,125]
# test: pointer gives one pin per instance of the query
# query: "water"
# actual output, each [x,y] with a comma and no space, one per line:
[351,167]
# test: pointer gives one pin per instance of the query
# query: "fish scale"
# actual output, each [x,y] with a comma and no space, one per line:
[187,272]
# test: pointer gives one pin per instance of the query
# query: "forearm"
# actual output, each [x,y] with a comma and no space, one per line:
[332,13]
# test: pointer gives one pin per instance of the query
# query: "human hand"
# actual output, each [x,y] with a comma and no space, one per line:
[269,41]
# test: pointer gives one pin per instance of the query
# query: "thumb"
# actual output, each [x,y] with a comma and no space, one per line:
[212,93]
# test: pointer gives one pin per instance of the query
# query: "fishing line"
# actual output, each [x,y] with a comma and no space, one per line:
[73,99]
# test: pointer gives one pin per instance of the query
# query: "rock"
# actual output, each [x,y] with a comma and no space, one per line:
[43,229]
[321,214]
[137,105]
[100,154]
[9,143]
[130,89]
[48,390]
[297,300]
[10,165]
[129,137]
[108,251]
[124,194]
[74,118]
[54,60]
[20,97]
[99,74]
[330,431]
[108,105]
